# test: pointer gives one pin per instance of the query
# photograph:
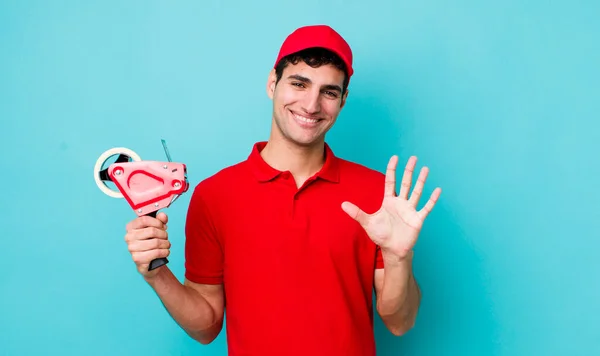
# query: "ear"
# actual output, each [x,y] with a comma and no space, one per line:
[271,82]
[344,97]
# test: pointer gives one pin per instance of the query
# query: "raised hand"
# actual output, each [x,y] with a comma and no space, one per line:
[395,227]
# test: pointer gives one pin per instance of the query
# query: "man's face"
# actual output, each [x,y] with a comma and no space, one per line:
[306,102]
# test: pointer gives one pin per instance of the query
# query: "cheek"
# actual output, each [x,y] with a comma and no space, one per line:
[331,108]
[288,97]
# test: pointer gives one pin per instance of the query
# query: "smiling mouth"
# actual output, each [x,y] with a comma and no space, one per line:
[305,121]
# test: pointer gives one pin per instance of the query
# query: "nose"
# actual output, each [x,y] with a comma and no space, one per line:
[312,102]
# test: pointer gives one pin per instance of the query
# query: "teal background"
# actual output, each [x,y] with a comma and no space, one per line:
[499,99]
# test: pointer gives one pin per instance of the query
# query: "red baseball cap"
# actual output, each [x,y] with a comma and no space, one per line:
[317,36]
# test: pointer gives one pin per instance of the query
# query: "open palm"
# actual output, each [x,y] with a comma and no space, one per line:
[395,227]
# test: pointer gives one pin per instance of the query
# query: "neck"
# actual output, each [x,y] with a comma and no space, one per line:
[301,162]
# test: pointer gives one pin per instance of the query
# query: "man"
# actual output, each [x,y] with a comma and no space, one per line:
[292,241]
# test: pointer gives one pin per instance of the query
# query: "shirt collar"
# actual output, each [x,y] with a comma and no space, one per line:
[264,172]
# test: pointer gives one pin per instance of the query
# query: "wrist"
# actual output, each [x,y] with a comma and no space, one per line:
[392,258]
[156,276]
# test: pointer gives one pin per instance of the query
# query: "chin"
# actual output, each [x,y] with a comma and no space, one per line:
[301,141]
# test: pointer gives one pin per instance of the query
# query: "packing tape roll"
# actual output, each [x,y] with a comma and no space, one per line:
[98,166]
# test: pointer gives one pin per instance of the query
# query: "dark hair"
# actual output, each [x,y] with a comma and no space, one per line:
[314,57]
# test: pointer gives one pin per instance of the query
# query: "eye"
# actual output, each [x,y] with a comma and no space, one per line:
[331,94]
[298,84]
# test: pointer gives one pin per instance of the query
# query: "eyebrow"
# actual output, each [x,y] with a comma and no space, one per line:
[308,81]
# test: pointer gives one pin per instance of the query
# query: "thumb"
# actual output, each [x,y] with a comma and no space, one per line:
[162,217]
[355,213]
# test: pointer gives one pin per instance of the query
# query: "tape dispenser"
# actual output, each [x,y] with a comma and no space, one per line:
[148,186]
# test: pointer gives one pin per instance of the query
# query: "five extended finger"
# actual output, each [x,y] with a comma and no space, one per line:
[430,203]
[407,177]
[390,176]
[418,190]
[355,213]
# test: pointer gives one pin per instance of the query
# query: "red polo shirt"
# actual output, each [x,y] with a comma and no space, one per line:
[297,270]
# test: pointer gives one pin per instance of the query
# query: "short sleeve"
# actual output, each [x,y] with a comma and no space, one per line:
[374,205]
[203,246]
[378,258]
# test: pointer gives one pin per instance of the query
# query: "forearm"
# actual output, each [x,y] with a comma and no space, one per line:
[399,299]
[190,310]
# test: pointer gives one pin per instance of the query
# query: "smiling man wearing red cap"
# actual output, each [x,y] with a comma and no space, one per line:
[290,243]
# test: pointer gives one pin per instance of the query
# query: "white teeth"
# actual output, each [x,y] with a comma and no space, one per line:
[305,119]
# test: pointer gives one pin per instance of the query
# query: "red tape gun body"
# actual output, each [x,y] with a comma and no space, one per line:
[149,186]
